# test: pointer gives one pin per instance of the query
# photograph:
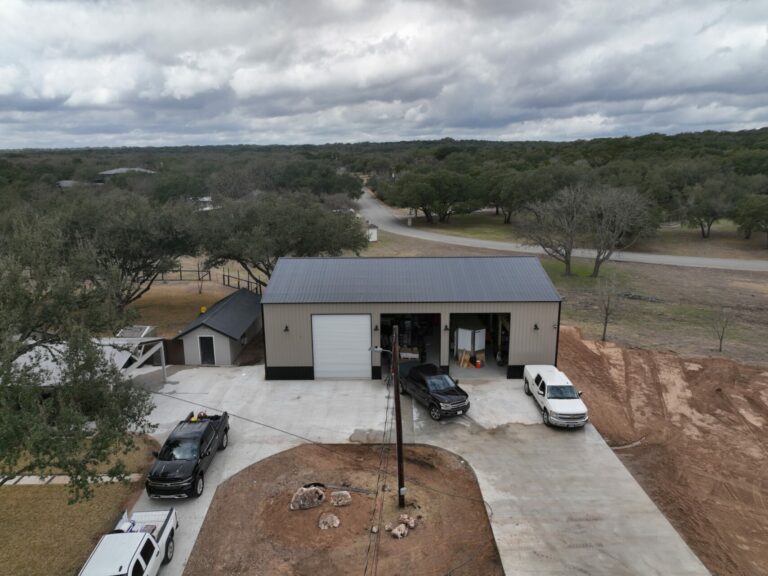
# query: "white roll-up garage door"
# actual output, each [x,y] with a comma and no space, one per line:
[341,345]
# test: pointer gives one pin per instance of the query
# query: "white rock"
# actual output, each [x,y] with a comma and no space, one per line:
[328,520]
[306,498]
[401,531]
[341,498]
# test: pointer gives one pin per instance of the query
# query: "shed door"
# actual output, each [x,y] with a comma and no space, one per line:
[207,356]
[341,345]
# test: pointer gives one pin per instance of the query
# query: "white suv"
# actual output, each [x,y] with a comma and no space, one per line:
[559,401]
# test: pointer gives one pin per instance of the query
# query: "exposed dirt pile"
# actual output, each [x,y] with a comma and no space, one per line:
[694,433]
[249,528]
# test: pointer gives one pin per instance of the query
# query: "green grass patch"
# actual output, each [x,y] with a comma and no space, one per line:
[480,225]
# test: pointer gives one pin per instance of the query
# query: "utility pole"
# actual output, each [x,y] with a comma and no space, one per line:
[398,419]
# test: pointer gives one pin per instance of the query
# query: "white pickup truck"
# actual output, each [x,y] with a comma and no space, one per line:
[137,546]
[559,401]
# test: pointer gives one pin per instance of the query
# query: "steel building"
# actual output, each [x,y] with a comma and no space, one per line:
[322,316]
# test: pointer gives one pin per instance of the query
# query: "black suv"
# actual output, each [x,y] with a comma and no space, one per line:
[179,471]
[437,391]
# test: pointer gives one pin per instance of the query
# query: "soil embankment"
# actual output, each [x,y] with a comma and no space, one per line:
[694,433]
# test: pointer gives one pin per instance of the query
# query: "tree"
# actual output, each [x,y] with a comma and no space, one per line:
[137,239]
[415,191]
[720,320]
[558,223]
[607,300]
[63,405]
[751,214]
[255,233]
[706,204]
[615,217]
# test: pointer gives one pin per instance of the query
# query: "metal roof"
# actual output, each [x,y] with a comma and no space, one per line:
[231,316]
[115,171]
[381,280]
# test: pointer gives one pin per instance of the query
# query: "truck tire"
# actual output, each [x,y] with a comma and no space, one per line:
[169,549]
[434,412]
[224,441]
[198,487]
[545,417]
[527,389]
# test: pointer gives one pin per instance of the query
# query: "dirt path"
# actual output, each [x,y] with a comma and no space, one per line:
[693,433]
[250,530]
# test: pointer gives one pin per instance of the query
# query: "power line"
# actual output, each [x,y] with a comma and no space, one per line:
[338,453]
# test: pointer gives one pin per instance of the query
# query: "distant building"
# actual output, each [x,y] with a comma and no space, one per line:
[116,171]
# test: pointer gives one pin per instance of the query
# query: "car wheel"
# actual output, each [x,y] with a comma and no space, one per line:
[403,391]
[527,389]
[169,548]
[224,441]
[545,417]
[434,412]
[199,486]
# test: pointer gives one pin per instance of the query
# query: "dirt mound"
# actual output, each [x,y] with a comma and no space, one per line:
[694,433]
[249,528]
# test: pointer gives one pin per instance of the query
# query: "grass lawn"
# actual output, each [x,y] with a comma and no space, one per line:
[724,241]
[172,305]
[42,534]
[482,225]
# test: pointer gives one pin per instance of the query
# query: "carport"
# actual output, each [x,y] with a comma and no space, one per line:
[322,316]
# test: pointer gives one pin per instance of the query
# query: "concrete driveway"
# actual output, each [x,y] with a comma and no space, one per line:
[562,501]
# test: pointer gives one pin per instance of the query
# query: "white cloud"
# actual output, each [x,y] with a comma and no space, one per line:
[124,72]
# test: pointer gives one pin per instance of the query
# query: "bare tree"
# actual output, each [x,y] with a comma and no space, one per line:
[607,300]
[720,320]
[559,222]
[616,217]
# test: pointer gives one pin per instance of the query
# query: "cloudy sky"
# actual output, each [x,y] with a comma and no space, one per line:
[113,73]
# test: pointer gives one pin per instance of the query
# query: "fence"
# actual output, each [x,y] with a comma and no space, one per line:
[236,281]
[186,275]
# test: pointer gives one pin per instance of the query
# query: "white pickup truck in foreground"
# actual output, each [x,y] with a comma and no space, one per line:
[559,401]
[137,546]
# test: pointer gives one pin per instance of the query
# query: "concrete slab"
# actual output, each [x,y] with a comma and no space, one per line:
[31,481]
[562,501]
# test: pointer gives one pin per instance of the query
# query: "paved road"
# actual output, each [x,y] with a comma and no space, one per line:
[380,214]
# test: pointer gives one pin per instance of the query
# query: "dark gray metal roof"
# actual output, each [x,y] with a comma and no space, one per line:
[231,316]
[453,279]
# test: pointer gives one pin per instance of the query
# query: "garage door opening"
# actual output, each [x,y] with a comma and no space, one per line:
[341,346]
[482,338]
[419,336]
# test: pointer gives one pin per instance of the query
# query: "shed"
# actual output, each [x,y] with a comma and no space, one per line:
[217,336]
[322,316]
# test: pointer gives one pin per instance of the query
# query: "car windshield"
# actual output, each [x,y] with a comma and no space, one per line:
[184,449]
[440,383]
[562,392]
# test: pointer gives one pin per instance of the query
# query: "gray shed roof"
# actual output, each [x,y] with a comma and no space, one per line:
[452,279]
[231,316]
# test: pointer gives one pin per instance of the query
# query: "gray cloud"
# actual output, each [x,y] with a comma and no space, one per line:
[86,73]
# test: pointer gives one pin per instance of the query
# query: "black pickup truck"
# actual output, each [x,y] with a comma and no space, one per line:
[437,391]
[179,471]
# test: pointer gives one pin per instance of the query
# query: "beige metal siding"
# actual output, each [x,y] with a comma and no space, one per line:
[294,347]
[528,345]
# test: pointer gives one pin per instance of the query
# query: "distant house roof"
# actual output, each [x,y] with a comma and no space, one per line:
[115,171]
[66,183]
[380,280]
[231,316]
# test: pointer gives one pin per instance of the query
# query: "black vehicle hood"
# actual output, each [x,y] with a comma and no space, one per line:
[172,469]
[450,396]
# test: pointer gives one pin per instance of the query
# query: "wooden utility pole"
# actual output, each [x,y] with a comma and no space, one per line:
[398,419]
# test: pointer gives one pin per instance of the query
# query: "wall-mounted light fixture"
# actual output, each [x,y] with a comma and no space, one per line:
[535,326]
[554,326]
[446,328]
[376,328]
[286,329]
